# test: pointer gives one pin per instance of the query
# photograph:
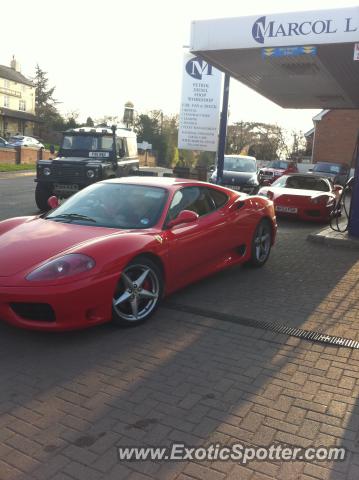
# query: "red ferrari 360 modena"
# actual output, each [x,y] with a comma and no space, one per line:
[304,196]
[114,249]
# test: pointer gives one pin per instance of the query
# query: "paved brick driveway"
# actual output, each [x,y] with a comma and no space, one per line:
[67,400]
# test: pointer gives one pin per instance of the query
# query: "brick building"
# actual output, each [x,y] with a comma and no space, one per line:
[17,101]
[334,136]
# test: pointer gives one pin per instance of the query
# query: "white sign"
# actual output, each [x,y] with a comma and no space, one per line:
[356,51]
[144,146]
[200,105]
[275,30]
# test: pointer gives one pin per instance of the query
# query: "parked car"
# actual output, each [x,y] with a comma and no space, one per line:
[275,169]
[22,141]
[87,155]
[304,196]
[239,173]
[3,143]
[338,173]
[115,248]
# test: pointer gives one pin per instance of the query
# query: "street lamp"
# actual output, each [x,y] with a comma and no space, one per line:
[128,114]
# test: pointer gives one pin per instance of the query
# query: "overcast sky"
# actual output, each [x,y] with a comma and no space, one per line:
[99,54]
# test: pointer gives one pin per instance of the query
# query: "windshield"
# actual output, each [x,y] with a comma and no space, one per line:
[113,205]
[240,164]
[16,139]
[302,183]
[87,142]
[278,164]
[327,168]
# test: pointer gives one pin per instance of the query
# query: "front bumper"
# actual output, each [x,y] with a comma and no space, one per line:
[75,305]
[311,213]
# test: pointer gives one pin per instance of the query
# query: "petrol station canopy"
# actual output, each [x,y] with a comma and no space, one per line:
[297,60]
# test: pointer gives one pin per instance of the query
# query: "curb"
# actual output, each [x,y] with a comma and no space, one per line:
[20,173]
[330,238]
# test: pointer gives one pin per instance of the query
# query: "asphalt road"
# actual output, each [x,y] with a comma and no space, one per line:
[17,195]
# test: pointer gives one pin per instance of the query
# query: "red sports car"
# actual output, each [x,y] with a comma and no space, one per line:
[305,196]
[274,170]
[114,249]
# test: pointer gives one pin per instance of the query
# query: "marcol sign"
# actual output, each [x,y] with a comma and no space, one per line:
[275,30]
[266,29]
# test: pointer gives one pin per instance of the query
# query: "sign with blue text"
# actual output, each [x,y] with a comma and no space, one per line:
[289,51]
[200,105]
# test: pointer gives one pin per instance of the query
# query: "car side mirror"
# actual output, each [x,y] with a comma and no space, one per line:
[53,202]
[52,149]
[185,216]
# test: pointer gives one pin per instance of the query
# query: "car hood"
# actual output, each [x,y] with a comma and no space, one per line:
[237,178]
[296,192]
[79,159]
[35,240]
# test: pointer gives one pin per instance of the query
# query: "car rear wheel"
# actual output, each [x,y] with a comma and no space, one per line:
[138,292]
[261,243]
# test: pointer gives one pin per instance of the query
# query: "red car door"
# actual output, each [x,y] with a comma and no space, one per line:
[195,248]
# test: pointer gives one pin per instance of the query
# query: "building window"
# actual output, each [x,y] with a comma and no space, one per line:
[22,105]
[6,84]
[6,101]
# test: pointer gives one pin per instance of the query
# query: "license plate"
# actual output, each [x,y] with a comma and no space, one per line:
[278,208]
[99,154]
[66,187]
[233,187]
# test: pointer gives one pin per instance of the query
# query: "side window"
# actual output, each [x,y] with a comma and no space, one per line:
[219,198]
[191,198]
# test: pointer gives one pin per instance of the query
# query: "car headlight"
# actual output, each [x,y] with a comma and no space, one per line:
[46,171]
[320,200]
[252,181]
[59,268]
[90,173]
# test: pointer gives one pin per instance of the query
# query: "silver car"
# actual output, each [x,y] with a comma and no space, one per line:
[22,141]
[336,172]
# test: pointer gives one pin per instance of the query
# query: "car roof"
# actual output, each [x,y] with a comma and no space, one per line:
[120,131]
[332,163]
[166,182]
[237,155]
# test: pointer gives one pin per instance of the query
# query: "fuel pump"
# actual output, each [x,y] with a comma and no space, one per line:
[353,227]
[351,222]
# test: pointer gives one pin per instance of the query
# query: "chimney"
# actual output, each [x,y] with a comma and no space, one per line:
[14,64]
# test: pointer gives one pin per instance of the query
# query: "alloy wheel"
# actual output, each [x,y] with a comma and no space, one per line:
[137,292]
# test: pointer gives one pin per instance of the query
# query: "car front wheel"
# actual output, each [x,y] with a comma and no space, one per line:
[42,193]
[138,292]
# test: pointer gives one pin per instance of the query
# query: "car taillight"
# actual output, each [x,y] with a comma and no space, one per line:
[59,268]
